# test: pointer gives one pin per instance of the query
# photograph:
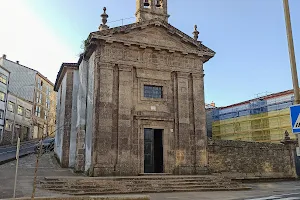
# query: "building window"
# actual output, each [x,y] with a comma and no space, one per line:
[2,96]
[28,113]
[8,125]
[10,106]
[3,79]
[47,103]
[1,114]
[37,111]
[40,84]
[39,97]
[46,115]
[151,91]
[48,90]
[20,110]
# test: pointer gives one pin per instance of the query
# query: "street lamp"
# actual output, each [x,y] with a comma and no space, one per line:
[292,55]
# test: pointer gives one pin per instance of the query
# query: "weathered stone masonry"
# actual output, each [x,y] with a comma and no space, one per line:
[251,159]
[113,111]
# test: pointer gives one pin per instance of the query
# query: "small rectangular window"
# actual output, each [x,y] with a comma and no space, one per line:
[37,111]
[20,110]
[1,114]
[40,84]
[151,91]
[8,126]
[3,79]
[41,96]
[2,96]
[28,113]
[10,106]
[46,115]
[48,90]
[47,103]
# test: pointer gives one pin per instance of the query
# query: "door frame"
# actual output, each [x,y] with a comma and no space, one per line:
[141,146]
[153,150]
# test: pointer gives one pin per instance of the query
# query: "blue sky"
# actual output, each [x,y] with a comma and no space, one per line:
[248,36]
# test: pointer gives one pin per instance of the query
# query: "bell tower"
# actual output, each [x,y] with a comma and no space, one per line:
[150,9]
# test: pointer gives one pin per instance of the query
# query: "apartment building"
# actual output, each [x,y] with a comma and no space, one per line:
[18,115]
[4,79]
[32,86]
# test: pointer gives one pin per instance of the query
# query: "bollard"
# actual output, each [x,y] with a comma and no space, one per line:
[17,164]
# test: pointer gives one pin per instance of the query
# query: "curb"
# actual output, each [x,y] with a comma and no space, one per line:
[14,158]
[15,144]
[263,179]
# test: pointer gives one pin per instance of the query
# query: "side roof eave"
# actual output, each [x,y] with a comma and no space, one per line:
[62,71]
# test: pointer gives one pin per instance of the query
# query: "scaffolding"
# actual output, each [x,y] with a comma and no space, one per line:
[258,120]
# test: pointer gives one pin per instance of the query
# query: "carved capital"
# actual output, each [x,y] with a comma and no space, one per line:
[198,76]
[125,68]
[182,75]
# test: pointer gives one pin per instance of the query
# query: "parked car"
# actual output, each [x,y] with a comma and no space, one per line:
[47,145]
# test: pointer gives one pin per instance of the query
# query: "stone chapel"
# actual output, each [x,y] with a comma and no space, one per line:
[134,102]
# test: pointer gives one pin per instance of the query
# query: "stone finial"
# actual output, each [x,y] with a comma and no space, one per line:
[286,135]
[196,33]
[287,139]
[104,17]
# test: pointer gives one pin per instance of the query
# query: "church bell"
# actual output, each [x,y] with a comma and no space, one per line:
[146,3]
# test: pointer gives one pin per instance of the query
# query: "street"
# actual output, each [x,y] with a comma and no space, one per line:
[9,152]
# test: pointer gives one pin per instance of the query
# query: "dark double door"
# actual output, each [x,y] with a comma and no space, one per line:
[153,151]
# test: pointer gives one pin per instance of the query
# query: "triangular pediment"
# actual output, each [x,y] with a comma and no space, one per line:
[156,34]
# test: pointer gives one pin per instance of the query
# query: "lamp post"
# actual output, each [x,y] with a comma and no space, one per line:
[292,54]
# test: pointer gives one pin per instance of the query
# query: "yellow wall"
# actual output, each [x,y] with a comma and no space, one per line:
[265,127]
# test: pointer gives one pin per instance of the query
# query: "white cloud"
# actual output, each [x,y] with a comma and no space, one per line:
[26,38]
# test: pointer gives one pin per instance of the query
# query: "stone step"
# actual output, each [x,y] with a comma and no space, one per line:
[78,193]
[133,178]
[155,174]
[109,184]
[138,184]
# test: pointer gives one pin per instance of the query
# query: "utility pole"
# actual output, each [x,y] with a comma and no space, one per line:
[292,54]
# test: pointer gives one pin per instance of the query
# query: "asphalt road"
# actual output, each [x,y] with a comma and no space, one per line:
[9,152]
[292,196]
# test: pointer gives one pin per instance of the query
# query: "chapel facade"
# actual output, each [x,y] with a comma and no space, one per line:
[134,102]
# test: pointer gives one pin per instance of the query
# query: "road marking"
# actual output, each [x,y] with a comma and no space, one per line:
[278,197]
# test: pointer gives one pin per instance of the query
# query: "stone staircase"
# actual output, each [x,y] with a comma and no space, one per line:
[137,184]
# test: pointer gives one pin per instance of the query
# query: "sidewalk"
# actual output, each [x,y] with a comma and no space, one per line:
[47,167]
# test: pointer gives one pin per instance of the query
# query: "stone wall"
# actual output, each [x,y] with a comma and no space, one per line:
[251,159]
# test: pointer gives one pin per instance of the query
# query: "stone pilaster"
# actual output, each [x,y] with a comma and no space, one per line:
[183,155]
[105,132]
[200,120]
[126,161]
[67,122]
